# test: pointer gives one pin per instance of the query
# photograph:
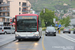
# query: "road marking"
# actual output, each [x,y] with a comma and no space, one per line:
[43,43]
[19,48]
[67,37]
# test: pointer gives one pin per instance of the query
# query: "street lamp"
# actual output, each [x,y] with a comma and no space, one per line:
[44,10]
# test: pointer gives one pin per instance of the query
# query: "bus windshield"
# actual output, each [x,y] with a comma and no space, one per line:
[27,25]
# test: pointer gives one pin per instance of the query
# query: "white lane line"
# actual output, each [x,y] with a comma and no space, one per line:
[67,37]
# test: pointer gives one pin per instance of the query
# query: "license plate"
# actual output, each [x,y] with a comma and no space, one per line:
[51,33]
[26,37]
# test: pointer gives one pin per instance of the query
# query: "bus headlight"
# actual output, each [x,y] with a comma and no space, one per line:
[37,35]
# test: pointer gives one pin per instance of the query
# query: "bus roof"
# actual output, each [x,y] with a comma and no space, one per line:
[27,15]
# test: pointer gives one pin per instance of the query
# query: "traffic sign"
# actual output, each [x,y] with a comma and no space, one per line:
[54,20]
[59,25]
[56,24]
[10,20]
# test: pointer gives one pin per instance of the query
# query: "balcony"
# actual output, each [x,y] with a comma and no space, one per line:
[25,11]
[4,16]
[25,6]
[3,5]
[4,10]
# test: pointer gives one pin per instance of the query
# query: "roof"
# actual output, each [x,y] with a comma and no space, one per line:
[27,15]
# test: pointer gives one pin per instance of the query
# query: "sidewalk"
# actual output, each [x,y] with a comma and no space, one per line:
[6,38]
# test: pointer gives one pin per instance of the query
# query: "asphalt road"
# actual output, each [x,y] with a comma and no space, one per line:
[59,42]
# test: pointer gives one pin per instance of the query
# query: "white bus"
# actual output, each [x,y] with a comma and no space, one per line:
[27,26]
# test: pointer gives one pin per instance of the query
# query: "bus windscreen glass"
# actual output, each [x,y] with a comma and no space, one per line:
[26,23]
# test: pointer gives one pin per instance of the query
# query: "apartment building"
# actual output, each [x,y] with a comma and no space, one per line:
[10,8]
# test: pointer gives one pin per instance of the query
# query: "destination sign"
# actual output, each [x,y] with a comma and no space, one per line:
[27,17]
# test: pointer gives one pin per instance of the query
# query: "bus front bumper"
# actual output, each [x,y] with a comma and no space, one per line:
[34,37]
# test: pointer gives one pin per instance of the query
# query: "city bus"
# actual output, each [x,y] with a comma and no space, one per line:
[27,26]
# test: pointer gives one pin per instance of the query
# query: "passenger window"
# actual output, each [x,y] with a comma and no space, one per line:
[7,28]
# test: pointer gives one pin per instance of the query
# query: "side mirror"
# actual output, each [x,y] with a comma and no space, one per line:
[39,22]
[13,20]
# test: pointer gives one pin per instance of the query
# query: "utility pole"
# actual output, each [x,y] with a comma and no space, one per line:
[44,10]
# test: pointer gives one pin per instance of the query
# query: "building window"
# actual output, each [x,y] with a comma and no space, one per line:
[7,8]
[3,2]
[0,8]
[24,4]
[23,9]
[7,14]
[7,20]
[19,3]
[19,9]
[3,8]
[0,13]
[3,14]
[3,19]
[19,13]
[0,2]
[8,2]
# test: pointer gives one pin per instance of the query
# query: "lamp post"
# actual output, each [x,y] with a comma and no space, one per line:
[44,10]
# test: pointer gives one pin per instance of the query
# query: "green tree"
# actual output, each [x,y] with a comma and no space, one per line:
[56,18]
[47,17]
[65,21]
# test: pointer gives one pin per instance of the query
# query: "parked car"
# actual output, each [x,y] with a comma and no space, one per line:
[74,31]
[7,29]
[67,30]
[50,31]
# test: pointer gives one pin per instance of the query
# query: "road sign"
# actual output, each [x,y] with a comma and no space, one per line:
[59,25]
[10,20]
[56,24]
[43,10]
[54,20]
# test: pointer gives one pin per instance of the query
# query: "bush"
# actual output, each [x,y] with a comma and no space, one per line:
[44,28]
[61,28]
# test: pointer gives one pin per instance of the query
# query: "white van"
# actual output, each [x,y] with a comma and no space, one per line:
[7,29]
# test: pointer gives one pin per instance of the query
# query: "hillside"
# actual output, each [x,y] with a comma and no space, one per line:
[38,5]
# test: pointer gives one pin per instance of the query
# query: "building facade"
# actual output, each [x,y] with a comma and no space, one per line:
[10,8]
